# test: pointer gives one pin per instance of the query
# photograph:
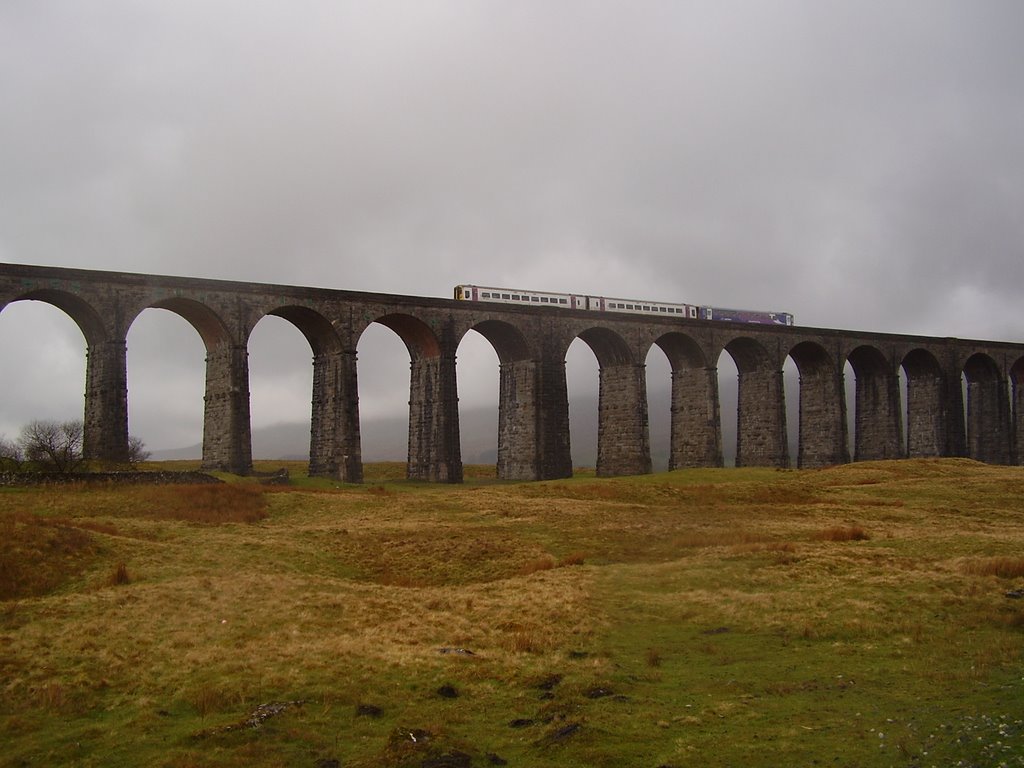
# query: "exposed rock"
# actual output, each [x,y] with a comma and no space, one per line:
[565,731]
[457,651]
[715,631]
[549,682]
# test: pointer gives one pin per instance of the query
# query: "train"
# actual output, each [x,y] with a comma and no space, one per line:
[608,304]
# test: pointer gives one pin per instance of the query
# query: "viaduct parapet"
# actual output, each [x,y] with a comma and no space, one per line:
[533,412]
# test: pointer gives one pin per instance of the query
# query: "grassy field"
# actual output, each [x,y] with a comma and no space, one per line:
[853,616]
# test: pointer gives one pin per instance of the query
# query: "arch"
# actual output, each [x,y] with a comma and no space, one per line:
[760,409]
[43,372]
[1017,394]
[927,416]
[623,439]
[608,346]
[748,355]
[979,367]
[988,410]
[434,445]
[208,324]
[166,381]
[508,341]
[695,434]
[518,437]
[105,421]
[682,351]
[822,409]
[878,419]
[317,329]
[77,308]
[227,434]
[334,449]
[419,339]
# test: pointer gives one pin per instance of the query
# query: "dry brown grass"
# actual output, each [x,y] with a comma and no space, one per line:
[691,594]
[573,558]
[842,533]
[1003,567]
[542,563]
[120,576]
[208,504]
[37,555]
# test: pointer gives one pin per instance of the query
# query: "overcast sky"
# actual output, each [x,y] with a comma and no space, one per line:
[860,164]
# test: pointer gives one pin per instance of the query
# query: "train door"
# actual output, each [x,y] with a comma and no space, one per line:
[595,303]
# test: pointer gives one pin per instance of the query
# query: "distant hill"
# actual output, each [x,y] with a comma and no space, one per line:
[387,439]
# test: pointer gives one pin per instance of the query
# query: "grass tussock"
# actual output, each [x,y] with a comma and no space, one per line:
[842,533]
[573,558]
[1002,567]
[119,577]
[547,562]
[537,564]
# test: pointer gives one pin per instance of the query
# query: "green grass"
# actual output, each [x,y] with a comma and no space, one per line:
[853,616]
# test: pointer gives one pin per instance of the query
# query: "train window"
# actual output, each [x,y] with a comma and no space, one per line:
[543,299]
[535,298]
[563,301]
[485,295]
[505,296]
[662,309]
[515,297]
[629,306]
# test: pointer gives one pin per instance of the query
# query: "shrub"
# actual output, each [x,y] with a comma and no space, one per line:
[51,445]
[573,558]
[119,576]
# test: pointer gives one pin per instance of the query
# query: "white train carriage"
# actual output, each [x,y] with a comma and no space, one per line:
[628,306]
[573,301]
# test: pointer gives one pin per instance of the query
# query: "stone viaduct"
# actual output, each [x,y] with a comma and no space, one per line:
[531,344]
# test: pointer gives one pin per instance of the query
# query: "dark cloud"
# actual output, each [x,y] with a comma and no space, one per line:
[859,164]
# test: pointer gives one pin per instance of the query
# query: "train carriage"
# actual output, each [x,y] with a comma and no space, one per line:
[469,292]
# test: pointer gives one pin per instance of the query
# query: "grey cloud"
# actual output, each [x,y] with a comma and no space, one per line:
[859,164]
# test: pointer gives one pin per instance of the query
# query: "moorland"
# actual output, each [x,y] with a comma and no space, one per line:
[864,615]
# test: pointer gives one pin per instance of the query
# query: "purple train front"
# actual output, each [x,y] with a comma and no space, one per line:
[746,316]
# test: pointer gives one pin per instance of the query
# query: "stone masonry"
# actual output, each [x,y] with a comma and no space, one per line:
[533,414]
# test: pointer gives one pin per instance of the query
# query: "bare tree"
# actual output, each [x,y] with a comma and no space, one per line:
[11,456]
[53,445]
[137,452]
